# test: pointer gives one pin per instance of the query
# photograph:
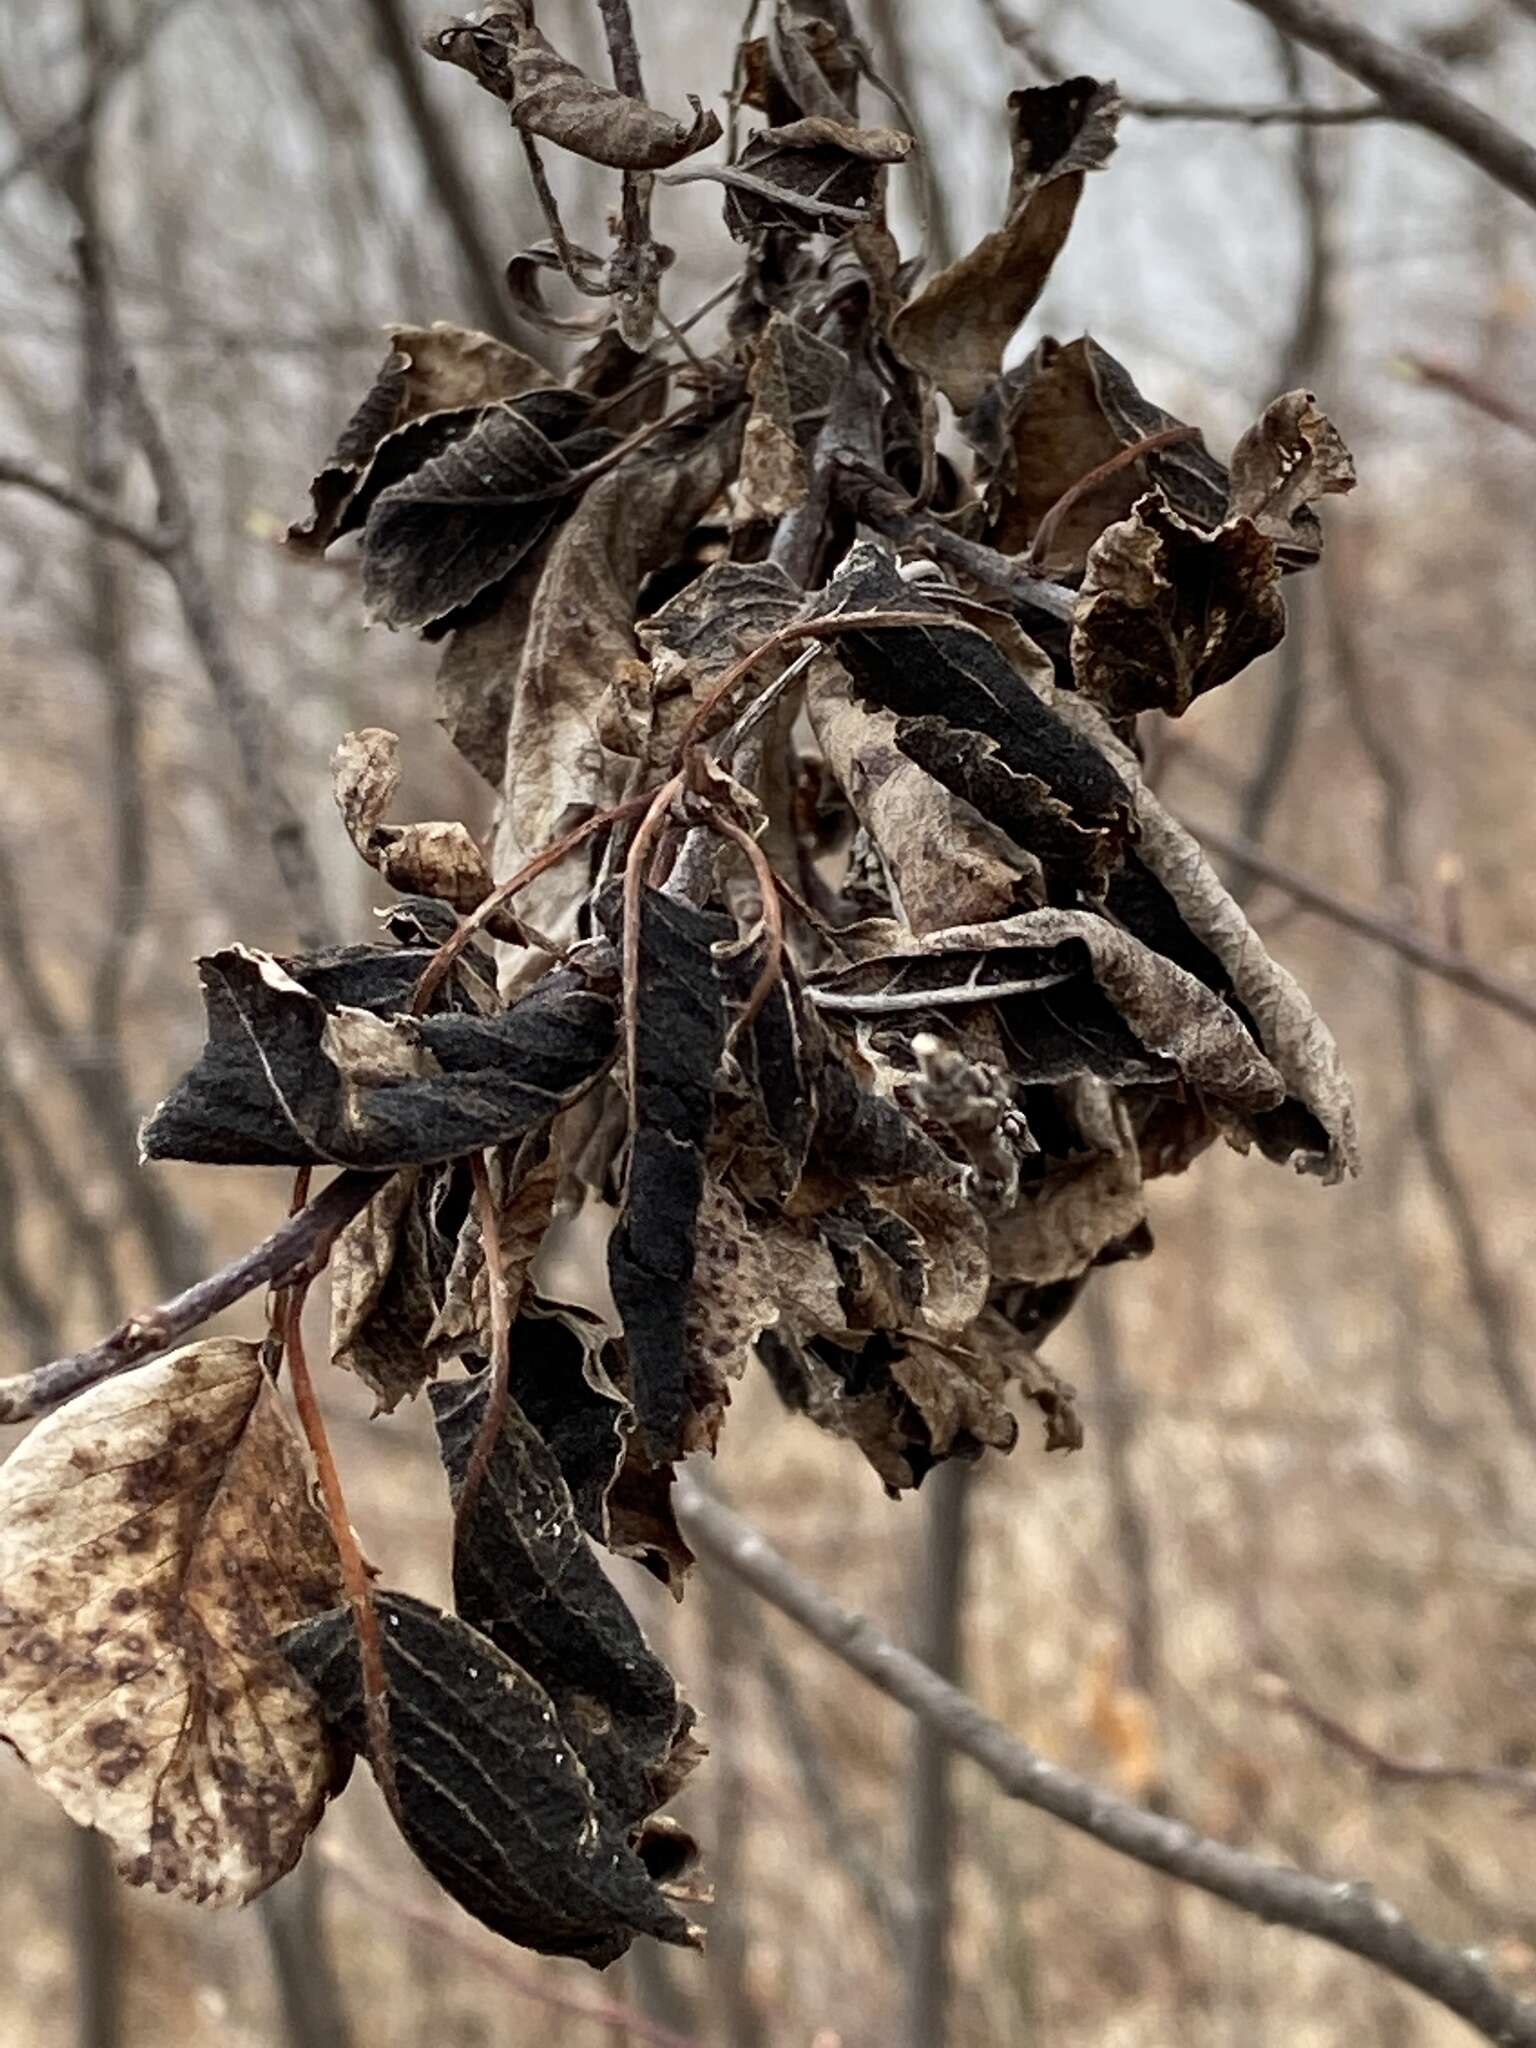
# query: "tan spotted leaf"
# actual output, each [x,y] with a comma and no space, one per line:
[155,1536]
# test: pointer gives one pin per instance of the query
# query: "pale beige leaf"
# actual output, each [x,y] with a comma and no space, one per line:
[155,1535]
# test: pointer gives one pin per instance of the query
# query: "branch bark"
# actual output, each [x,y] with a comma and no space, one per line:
[1412,88]
[298,1246]
[1349,1916]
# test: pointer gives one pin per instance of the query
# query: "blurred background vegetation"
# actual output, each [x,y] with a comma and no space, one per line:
[1311,1416]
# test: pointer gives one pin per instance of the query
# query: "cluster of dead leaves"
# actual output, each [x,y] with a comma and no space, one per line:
[870,1038]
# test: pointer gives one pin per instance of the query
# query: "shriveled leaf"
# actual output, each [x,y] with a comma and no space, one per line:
[679,1037]
[1073,1209]
[492,1796]
[975,724]
[1168,612]
[440,374]
[388,1271]
[1290,457]
[440,860]
[547,95]
[732,1299]
[582,704]
[523,1574]
[1315,1127]
[156,1535]
[313,1063]
[793,380]
[815,176]
[956,329]
[1055,1397]
[523,1192]
[1050,436]
[908,813]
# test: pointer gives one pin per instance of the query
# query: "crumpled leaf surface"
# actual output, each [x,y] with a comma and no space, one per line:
[433,380]
[679,1037]
[968,717]
[1168,612]
[440,860]
[493,1798]
[525,1576]
[547,95]
[956,329]
[794,378]
[156,1535]
[812,176]
[313,1062]
[1040,432]
[1290,457]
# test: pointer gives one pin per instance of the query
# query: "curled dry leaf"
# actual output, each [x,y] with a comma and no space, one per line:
[813,176]
[433,381]
[968,717]
[1168,612]
[549,96]
[155,1537]
[794,377]
[492,1796]
[956,329]
[440,860]
[1288,459]
[1052,439]
[314,1063]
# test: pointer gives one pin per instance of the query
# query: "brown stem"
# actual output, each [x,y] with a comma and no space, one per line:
[1399,1770]
[354,1570]
[1349,1916]
[1165,437]
[773,919]
[300,1244]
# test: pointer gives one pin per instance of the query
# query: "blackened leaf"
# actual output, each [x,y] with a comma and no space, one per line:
[523,1574]
[492,1796]
[767,1098]
[957,327]
[310,1063]
[793,379]
[564,1375]
[582,704]
[441,374]
[1042,430]
[1290,457]
[966,715]
[679,1037]
[548,96]
[1051,955]
[461,522]
[155,1537]
[814,176]
[1168,612]
[1315,1127]
[732,1299]
[522,1182]
[477,676]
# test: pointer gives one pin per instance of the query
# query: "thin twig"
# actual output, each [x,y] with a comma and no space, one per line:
[772,916]
[301,1243]
[1349,1916]
[101,512]
[1259,114]
[1508,996]
[1276,1691]
[1471,391]
[354,1570]
[1412,87]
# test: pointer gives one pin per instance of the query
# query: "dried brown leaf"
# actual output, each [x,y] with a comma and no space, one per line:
[956,329]
[155,1535]
[1168,612]
[547,95]
[1290,457]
